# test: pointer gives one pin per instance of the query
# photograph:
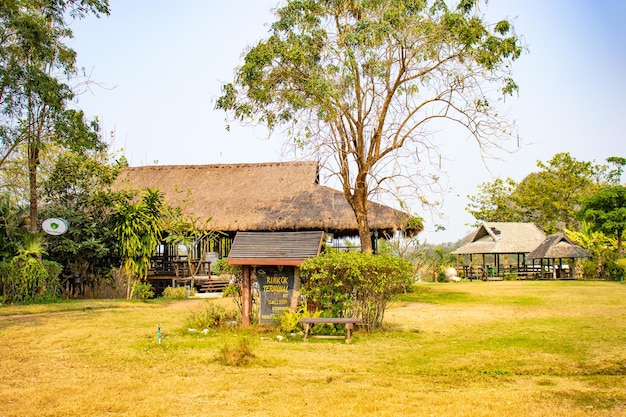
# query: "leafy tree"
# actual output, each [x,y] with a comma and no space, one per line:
[615,175]
[138,228]
[549,197]
[494,202]
[606,212]
[360,84]
[77,190]
[33,100]
[26,277]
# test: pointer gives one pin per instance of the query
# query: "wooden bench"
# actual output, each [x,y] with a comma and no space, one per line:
[312,321]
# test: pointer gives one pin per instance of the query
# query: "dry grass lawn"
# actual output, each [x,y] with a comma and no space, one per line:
[467,349]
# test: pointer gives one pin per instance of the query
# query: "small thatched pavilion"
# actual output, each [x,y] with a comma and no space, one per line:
[553,250]
[495,242]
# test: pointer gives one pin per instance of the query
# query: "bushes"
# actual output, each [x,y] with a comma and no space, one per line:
[354,284]
[143,291]
[28,279]
[610,270]
[211,316]
[176,293]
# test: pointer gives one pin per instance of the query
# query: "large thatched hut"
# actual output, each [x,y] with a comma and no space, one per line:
[262,197]
[272,196]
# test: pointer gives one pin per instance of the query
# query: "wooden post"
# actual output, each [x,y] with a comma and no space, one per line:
[246,295]
[297,284]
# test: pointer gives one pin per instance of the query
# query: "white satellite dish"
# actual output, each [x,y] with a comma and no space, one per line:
[55,226]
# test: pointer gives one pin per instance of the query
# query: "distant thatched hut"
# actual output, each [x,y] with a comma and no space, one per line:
[493,241]
[554,249]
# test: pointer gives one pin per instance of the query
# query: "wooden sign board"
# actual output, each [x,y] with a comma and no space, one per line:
[275,289]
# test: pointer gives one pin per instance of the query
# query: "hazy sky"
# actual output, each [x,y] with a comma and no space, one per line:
[160,65]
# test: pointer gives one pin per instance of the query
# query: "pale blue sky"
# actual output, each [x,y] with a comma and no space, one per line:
[160,64]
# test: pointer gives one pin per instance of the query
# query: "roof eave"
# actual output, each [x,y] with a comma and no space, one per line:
[281,262]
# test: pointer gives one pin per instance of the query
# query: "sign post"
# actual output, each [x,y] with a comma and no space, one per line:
[276,290]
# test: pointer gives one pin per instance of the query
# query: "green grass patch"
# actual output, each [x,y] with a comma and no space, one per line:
[446,294]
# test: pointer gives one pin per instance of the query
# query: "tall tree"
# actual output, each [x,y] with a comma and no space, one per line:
[34,100]
[606,211]
[361,83]
[614,175]
[550,197]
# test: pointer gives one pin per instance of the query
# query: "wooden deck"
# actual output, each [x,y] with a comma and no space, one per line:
[530,272]
[178,273]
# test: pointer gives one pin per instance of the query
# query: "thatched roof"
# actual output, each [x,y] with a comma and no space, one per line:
[558,246]
[258,197]
[503,238]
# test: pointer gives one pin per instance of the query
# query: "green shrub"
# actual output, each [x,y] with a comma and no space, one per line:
[614,271]
[355,284]
[211,315]
[143,291]
[590,269]
[288,320]
[441,276]
[238,355]
[177,293]
[30,280]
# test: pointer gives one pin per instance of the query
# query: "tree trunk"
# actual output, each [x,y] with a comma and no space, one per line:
[359,206]
[246,296]
[364,233]
[33,162]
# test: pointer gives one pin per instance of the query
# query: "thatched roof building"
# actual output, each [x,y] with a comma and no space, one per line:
[503,238]
[500,239]
[259,197]
[558,246]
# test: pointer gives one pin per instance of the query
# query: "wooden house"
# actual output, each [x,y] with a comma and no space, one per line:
[261,197]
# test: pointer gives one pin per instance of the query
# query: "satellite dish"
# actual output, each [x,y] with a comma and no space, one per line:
[55,226]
